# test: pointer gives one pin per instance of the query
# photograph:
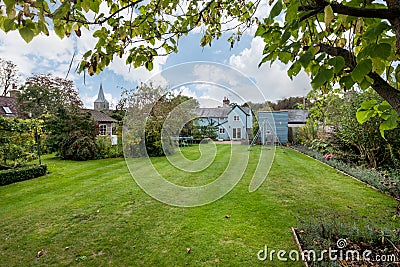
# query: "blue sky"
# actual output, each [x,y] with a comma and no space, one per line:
[50,54]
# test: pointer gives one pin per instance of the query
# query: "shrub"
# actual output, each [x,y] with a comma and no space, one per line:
[106,150]
[78,147]
[20,174]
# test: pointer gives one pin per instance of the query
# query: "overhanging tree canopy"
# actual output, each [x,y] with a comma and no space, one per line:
[346,42]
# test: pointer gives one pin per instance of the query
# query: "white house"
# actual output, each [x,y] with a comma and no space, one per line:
[232,122]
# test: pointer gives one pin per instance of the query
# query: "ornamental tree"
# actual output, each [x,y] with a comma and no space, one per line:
[45,94]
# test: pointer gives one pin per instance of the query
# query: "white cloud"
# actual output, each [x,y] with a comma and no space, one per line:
[273,81]
[140,74]
[42,54]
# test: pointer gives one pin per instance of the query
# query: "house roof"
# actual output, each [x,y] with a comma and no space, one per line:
[297,115]
[100,96]
[220,112]
[246,110]
[99,116]
[213,112]
[8,107]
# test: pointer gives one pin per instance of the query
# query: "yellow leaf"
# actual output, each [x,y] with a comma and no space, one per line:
[359,25]
[342,42]
[328,15]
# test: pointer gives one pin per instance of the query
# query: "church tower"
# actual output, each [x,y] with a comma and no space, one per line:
[101,104]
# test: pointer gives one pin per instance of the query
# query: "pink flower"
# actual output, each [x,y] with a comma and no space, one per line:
[328,156]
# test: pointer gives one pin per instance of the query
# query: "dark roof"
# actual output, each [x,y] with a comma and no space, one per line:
[246,110]
[8,103]
[98,116]
[100,96]
[213,112]
[297,115]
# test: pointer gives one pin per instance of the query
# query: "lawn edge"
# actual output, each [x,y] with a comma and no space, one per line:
[296,240]
[345,173]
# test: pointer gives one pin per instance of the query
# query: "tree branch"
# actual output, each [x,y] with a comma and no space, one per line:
[349,58]
[383,88]
[382,13]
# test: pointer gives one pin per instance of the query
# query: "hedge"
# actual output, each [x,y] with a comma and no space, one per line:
[20,174]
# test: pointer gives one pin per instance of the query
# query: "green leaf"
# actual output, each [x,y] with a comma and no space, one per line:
[378,66]
[149,65]
[362,69]
[59,30]
[337,62]
[95,5]
[376,30]
[260,30]
[365,83]
[389,124]
[305,59]
[323,76]
[10,8]
[27,34]
[347,81]
[294,69]
[291,11]
[276,9]
[87,54]
[9,24]
[368,104]
[366,111]
[285,57]
[364,115]
[382,50]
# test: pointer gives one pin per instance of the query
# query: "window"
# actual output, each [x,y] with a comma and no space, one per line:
[102,129]
[237,133]
[221,130]
[235,118]
[7,110]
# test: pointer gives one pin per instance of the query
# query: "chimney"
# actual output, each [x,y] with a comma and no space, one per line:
[14,91]
[225,102]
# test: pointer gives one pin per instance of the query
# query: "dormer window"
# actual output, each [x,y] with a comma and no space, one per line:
[7,110]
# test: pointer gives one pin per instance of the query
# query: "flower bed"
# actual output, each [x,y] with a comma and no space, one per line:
[383,181]
[329,241]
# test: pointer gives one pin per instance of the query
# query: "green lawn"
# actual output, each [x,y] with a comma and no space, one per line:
[93,214]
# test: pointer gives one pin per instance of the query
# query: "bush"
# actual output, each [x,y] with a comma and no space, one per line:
[106,150]
[20,174]
[78,147]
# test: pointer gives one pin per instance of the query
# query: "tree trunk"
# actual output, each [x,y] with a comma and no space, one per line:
[387,92]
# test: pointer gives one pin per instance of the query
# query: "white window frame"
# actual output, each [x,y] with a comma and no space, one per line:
[103,129]
[7,110]
[236,118]
[222,130]
[237,133]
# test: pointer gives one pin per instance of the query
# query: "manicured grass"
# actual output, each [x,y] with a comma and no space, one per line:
[93,214]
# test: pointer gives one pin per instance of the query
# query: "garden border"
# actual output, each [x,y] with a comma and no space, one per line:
[297,241]
[345,173]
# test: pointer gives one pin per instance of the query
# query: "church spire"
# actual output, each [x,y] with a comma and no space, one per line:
[100,96]
[101,103]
